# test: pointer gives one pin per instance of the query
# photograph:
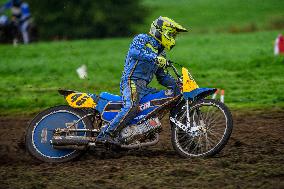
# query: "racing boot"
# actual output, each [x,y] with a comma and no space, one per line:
[106,137]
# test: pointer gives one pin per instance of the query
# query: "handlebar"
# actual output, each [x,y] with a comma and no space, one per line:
[170,64]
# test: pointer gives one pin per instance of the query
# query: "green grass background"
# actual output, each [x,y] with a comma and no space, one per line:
[241,63]
[203,16]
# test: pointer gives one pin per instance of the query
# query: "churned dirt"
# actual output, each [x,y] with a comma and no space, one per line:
[253,158]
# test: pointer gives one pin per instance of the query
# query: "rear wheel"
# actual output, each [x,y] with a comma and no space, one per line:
[210,127]
[41,130]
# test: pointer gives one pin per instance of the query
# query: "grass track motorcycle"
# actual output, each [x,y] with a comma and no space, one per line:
[200,127]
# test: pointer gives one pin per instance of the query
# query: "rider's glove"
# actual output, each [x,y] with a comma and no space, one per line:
[161,62]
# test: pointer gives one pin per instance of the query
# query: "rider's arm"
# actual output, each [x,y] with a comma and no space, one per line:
[139,52]
[165,79]
[6,6]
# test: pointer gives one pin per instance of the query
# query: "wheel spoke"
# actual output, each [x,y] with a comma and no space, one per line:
[208,111]
[196,145]
[202,143]
[189,144]
[209,118]
[212,117]
[215,135]
[211,142]
[216,129]
[216,118]
[216,123]
[184,142]
[206,141]
[182,139]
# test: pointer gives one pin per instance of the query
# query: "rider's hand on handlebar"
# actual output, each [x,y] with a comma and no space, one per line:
[161,61]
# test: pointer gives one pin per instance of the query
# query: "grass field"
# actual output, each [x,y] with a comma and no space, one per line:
[216,51]
[203,16]
[242,64]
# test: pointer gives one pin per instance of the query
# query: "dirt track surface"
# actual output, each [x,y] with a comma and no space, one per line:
[254,158]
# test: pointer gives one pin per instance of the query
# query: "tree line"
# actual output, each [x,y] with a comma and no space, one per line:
[75,19]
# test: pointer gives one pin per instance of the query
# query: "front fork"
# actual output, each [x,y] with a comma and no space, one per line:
[193,126]
[186,127]
[187,114]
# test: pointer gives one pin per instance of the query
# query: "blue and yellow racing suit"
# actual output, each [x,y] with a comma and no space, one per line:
[140,68]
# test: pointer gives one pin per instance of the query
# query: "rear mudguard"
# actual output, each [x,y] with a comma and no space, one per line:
[198,93]
[78,99]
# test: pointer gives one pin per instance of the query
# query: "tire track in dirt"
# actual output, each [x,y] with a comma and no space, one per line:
[253,158]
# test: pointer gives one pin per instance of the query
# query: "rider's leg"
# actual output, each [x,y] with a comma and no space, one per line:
[24,30]
[128,112]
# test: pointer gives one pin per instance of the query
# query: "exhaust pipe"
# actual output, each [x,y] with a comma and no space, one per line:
[71,140]
[70,147]
[140,145]
[82,142]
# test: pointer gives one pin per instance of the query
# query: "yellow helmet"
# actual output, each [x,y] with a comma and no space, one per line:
[165,30]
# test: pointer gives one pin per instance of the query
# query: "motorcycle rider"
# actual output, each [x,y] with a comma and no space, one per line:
[146,57]
[20,16]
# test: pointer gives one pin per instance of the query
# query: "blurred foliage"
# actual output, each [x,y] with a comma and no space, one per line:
[69,19]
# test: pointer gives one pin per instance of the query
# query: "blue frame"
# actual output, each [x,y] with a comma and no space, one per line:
[106,98]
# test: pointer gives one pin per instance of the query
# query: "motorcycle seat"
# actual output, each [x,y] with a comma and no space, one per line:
[110,97]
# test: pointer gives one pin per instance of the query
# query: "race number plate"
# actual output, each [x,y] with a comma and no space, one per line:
[80,100]
[188,83]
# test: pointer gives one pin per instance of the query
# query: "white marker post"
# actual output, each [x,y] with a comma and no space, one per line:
[215,94]
[82,72]
[222,95]
[276,49]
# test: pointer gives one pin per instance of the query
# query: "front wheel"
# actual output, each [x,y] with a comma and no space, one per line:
[205,133]
[41,130]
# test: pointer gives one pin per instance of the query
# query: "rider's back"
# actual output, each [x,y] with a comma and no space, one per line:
[140,59]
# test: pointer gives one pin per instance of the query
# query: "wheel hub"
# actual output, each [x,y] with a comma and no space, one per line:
[197,130]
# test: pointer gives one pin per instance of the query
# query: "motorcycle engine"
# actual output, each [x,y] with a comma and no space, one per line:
[136,132]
